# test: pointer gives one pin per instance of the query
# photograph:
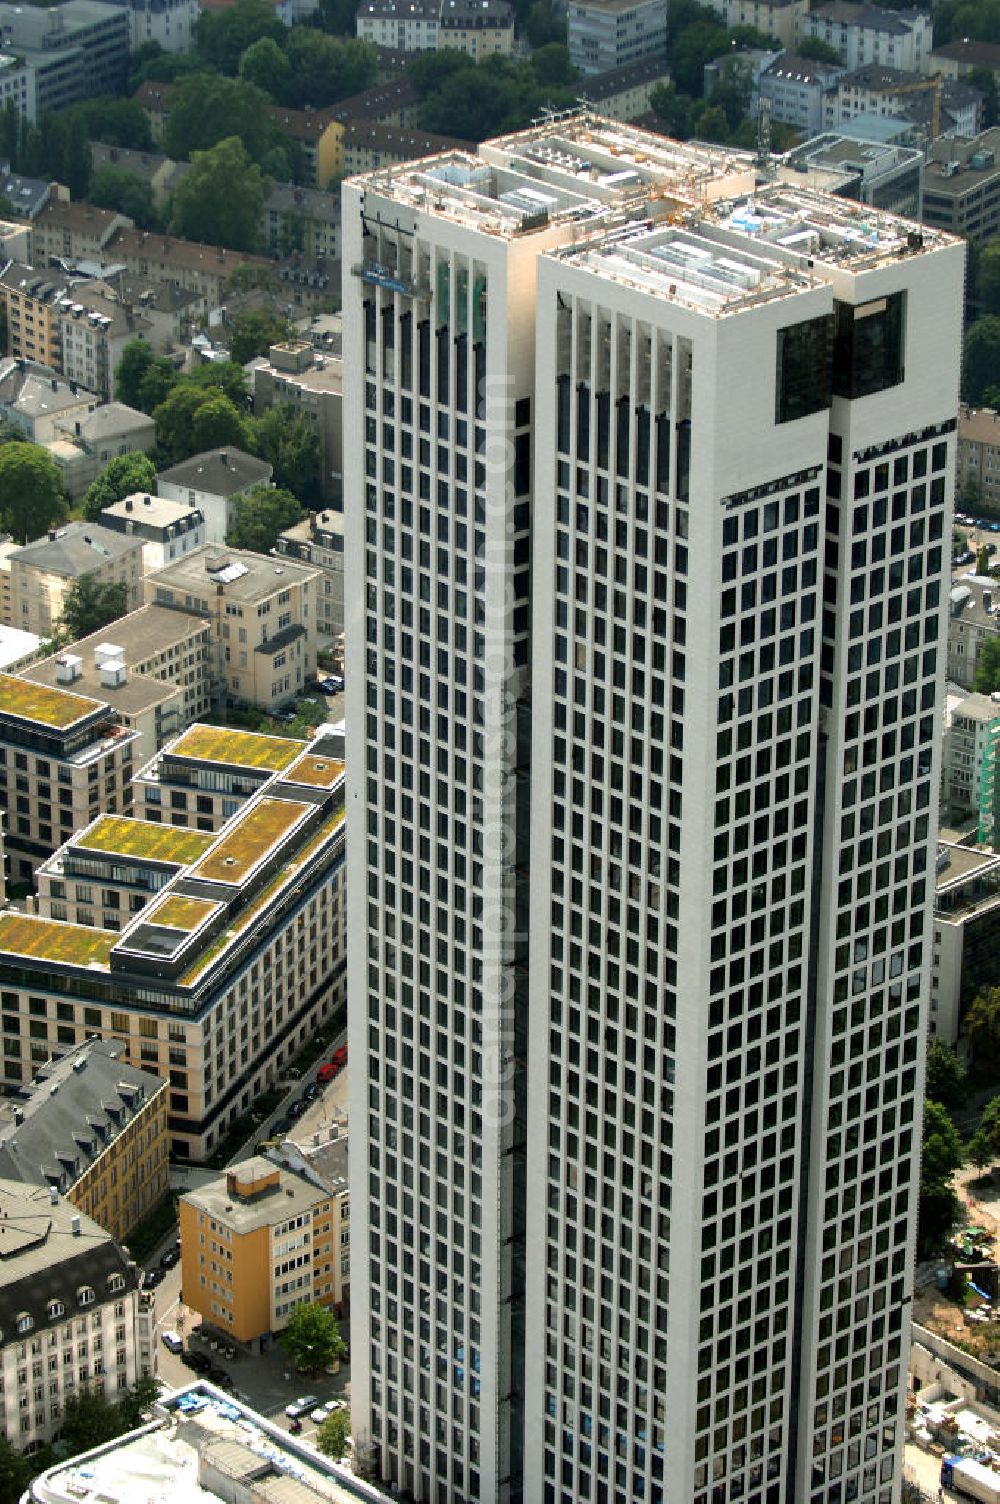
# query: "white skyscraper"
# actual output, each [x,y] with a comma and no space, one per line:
[635,1197]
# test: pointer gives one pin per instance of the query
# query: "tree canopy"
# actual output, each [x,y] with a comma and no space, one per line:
[946,1081]
[312,1337]
[333,1434]
[266,66]
[91,604]
[31,493]
[122,476]
[111,188]
[221,200]
[260,516]
[982,1030]
[981,363]
[207,108]
[325,69]
[940,1157]
[987,675]
[254,332]
[223,36]
[291,445]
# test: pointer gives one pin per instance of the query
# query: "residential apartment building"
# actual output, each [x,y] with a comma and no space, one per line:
[66,231]
[869,34]
[27,195]
[367,145]
[204,269]
[221,979]
[962,186]
[42,573]
[63,759]
[318,133]
[205,776]
[35,399]
[624,93]
[966,933]
[323,1161]
[83,444]
[716,480]
[161,174]
[301,219]
[255,1243]
[212,482]
[106,873]
[979,457]
[606,34]
[319,542]
[797,88]
[72,1316]
[780,19]
[479,28]
[169,529]
[94,1128]
[875,89]
[263,614]
[169,23]
[293,376]
[151,708]
[404,25]
[76,50]
[965,741]
[71,326]
[18,87]
[960,58]
[974,617]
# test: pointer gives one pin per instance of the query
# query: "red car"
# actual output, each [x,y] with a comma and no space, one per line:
[339,1056]
[326,1073]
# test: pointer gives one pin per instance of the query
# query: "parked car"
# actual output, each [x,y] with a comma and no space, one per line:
[326,1072]
[339,1056]
[152,1278]
[302,1406]
[172,1342]
[219,1376]
[281,1126]
[195,1361]
[286,717]
[296,1109]
[333,684]
[320,1414]
[965,557]
[169,1258]
[311,1092]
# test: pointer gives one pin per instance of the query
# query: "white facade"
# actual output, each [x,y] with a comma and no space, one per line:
[606,34]
[169,22]
[618,1178]
[868,34]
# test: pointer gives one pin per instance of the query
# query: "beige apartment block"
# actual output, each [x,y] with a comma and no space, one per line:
[263,612]
[256,1242]
[42,572]
[217,982]
[293,375]
[95,1128]
[319,540]
[64,758]
[209,773]
[149,707]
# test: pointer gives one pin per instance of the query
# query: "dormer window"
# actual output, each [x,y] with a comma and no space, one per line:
[56,1309]
[85,1296]
[25,1321]
[116,1282]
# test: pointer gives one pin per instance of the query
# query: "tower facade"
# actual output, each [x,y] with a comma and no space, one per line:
[707,592]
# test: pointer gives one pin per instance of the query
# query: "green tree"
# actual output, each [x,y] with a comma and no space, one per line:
[673,109]
[982,1028]
[945,1075]
[542,25]
[254,332]
[940,1157]
[158,381]
[259,517]
[983,560]
[551,65]
[338,16]
[117,122]
[711,124]
[989,1124]
[334,1433]
[174,418]
[225,376]
[429,70]
[988,276]
[91,604]
[111,188]
[732,89]
[135,362]
[266,67]
[223,36]
[16,1472]
[987,676]
[221,200]
[819,51]
[981,363]
[325,68]
[312,1338]
[980,1150]
[139,1399]
[31,494]
[697,45]
[89,1419]
[291,445]
[206,108]
[218,424]
[123,476]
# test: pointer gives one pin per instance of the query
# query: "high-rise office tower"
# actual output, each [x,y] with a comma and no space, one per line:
[652,475]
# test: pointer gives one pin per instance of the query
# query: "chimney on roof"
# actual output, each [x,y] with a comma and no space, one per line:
[147,501]
[54,1195]
[128,503]
[74,1223]
[224,457]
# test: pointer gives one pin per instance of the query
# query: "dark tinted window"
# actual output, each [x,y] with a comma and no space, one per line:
[803,369]
[868,346]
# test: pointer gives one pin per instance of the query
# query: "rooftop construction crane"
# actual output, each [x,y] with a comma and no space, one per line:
[935,84]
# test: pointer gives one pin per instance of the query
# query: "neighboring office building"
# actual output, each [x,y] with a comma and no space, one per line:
[323,1161]
[169,23]
[18,649]
[293,376]
[605,34]
[108,872]
[780,19]
[966,934]
[962,186]
[263,614]
[95,1128]
[979,455]
[681,943]
[227,974]
[319,541]
[18,88]
[66,231]
[204,777]
[255,1243]
[797,88]
[77,49]
[168,529]
[868,34]
[72,1316]
[965,742]
[150,707]
[41,573]
[885,176]
[974,616]
[63,760]
[212,482]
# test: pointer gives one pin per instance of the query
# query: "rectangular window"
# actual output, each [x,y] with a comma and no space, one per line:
[804,362]
[868,346]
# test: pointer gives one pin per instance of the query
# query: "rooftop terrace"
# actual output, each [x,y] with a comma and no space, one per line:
[57,708]
[49,940]
[145,838]
[240,749]
[249,839]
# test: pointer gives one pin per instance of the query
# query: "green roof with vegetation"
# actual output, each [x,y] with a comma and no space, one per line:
[241,749]
[177,912]
[315,772]
[40,702]
[48,940]
[145,838]
[250,836]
